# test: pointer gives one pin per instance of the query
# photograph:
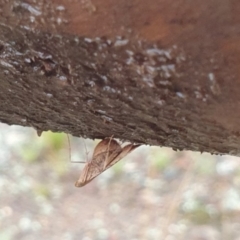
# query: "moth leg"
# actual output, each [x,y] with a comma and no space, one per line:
[69,148]
[86,150]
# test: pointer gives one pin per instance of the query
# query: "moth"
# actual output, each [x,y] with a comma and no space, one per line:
[107,153]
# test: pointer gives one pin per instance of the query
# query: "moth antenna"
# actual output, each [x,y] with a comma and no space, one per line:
[108,151]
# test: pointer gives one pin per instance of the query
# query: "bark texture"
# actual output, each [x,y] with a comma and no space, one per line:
[158,72]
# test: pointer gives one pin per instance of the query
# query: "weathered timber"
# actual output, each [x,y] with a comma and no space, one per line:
[159,72]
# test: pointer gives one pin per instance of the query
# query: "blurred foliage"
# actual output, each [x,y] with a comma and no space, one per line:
[8,234]
[42,190]
[205,163]
[198,210]
[199,215]
[30,151]
[118,168]
[50,147]
[160,160]
[53,141]
[197,189]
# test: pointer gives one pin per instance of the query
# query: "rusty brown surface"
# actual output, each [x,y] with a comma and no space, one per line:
[155,72]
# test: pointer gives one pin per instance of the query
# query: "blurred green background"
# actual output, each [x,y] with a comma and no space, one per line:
[153,193]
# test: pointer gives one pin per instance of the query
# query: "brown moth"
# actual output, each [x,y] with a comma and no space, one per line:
[106,154]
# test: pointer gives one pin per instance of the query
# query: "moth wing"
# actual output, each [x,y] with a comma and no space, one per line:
[84,174]
[124,151]
[95,167]
[110,156]
[91,170]
[102,161]
[107,144]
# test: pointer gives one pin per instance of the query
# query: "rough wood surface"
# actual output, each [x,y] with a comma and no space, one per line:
[160,72]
